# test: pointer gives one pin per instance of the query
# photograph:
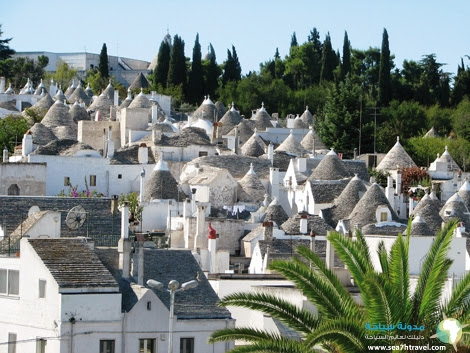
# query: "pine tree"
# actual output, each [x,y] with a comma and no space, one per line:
[103,66]
[328,60]
[293,41]
[196,77]
[5,51]
[276,54]
[385,82]
[160,75]
[177,70]
[212,72]
[346,65]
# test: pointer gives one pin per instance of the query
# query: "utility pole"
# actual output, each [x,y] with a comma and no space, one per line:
[375,127]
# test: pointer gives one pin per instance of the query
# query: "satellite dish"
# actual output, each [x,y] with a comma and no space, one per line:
[33,209]
[76,217]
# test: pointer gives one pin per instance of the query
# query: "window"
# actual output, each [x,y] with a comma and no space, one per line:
[203,153]
[14,190]
[41,345]
[106,346]
[149,305]
[187,345]
[92,180]
[9,282]
[119,176]
[147,345]
[66,181]
[42,288]
[11,342]
[383,217]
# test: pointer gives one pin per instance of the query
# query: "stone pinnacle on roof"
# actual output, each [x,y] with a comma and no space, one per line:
[396,158]
[331,167]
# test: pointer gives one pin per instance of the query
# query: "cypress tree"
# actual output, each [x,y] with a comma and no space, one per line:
[163,65]
[328,60]
[238,67]
[196,77]
[276,54]
[103,66]
[212,73]
[229,69]
[293,41]
[346,65]
[177,71]
[385,82]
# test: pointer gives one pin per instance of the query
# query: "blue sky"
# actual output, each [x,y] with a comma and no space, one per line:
[135,28]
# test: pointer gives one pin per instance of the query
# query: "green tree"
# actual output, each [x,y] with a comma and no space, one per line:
[346,64]
[461,119]
[293,41]
[341,323]
[12,129]
[177,71]
[19,70]
[196,77]
[340,122]
[211,73]
[63,74]
[232,69]
[328,60]
[385,83]
[103,65]
[160,74]
[5,51]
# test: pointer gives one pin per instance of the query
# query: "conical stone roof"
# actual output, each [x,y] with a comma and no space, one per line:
[308,141]
[447,158]
[207,110]
[275,213]
[102,103]
[65,132]
[139,82]
[299,124]
[141,101]
[221,110]
[126,102]
[307,117]
[428,210]
[41,135]
[160,185]
[420,228]
[364,212]
[253,186]
[464,193]
[431,133]
[89,91]
[70,89]
[60,96]
[254,147]
[396,158]
[230,119]
[291,145]
[58,115]
[109,91]
[78,113]
[78,95]
[44,103]
[262,119]
[331,167]
[246,128]
[455,208]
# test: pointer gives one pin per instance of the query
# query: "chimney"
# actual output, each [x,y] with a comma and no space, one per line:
[313,147]
[268,230]
[186,208]
[398,190]
[271,152]
[302,164]
[355,153]
[274,182]
[143,154]
[214,132]
[142,182]
[110,143]
[27,144]
[219,131]
[5,155]
[19,105]
[2,84]
[140,265]
[124,244]
[312,244]
[236,140]
[154,114]
[114,204]
[200,219]
[116,98]
[389,190]
[330,254]
[303,223]
[105,145]
[212,250]
[193,200]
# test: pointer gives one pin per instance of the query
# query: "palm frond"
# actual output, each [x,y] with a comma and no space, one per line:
[379,301]
[383,258]
[363,247]
[433,275]
[351,254]
[298,319]
[460,296]
[348,335]
[242,333]
[318,290]
[399,274]
[273,346]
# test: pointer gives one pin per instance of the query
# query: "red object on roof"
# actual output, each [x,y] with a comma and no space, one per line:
[212,233]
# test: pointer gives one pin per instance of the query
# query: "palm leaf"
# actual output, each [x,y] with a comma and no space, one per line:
[399,274]
[383,258]
[348,335]
[298,319]
[433,276]
[318,290]
[379,301]
[273,346]
[242,333]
